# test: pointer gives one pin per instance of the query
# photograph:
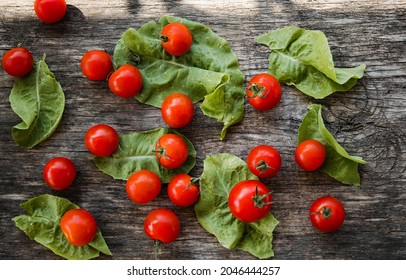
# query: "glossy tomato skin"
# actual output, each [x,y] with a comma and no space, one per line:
[264,91]
[59,173]
[176,38]
[264,161]
[126,81]
[96,65]
[162,225]
[171,150]
[78,226]
[310,154]
[177,110]
[17,62]
[249,201]
[327,213]
[50,11]
[102,140]
[182,191]
[143,186]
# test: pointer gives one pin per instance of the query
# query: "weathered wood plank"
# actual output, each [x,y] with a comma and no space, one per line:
[368,121]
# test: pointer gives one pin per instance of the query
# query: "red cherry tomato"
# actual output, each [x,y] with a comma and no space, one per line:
[17,62]
[182,191]
[162,225]
[327,213]
[171,150]
[102,140]
[264,91]
[96,65]
[310,154]
[126,81]
[264,161]
[249,201]
[177,110]
[78,226]
[176,38]
[143,186]
[59,173]
[50,11]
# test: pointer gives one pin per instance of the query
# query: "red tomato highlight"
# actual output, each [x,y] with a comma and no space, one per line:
[78,226]
[17,62]
[50,11]
[59,173]
[102,140]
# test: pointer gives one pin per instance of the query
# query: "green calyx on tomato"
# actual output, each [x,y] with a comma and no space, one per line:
[326,212]
[258,90]
[262,166]
[261,200]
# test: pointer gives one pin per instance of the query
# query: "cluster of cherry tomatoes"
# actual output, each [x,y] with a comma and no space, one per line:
[171,150]
[102,140]
[78,225]
[142,186]
[251,200]
[248,200]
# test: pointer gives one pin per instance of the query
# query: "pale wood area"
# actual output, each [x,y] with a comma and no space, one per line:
[368,121]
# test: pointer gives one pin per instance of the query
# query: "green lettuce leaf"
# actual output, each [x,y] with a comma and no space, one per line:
[39,101]
[135,152]
[221,172]
[302,58]
[41,223]
[338,163]
[208,72]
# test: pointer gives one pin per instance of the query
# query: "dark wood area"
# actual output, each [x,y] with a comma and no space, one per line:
[368,121]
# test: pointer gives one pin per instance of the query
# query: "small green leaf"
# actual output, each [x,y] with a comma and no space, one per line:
[338,163]
[209,70]
[303,58]
[221,172]
[39,101]
[135,152]
[41,223]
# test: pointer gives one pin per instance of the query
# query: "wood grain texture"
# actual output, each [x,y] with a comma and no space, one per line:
[368,121]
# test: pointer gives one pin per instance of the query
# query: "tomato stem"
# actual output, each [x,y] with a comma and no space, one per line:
[262,166]
[164,38]
[259,200]
[258,91]
[161,152]
[157,246]
[325,211]
[193,181]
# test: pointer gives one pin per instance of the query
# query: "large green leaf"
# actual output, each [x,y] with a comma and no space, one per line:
[302,58]
[338,163]
[41,223]
[39,101]
[135,152]
[221,172]
[208,71]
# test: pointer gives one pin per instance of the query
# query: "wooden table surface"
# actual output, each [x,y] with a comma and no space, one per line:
[368,121]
